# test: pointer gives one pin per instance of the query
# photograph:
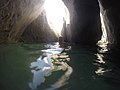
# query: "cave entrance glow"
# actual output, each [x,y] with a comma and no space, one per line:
[57,14]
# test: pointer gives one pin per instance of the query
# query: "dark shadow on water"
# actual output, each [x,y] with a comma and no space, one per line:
[108,67]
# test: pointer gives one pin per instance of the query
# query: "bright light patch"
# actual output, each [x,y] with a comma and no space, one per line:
[56,13]
[104,36]
[104,40]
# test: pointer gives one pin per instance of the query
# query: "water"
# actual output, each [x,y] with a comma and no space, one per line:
[56,67]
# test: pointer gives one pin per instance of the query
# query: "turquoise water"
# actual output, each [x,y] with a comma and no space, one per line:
[56,67]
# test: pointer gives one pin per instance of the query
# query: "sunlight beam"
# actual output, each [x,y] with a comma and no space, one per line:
[57,14]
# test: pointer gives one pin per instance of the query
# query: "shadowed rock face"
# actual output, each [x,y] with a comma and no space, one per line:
[38,31]
[12,11]
[87,28]
[16,16]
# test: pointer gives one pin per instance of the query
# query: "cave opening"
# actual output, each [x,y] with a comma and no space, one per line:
[30,25]
[57,14]
[32,58]
[82,22]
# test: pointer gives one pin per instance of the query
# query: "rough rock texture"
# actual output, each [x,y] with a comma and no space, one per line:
[16,16]
[7,18]
[111,15]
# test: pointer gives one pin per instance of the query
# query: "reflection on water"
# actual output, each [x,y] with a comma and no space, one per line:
[100,58]
[52,59]
[107,69]
[52,67]
[100,63]
[101,71]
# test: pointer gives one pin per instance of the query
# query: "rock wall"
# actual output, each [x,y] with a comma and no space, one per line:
[38,31]
[111,15]
[16,16]
[87,26]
